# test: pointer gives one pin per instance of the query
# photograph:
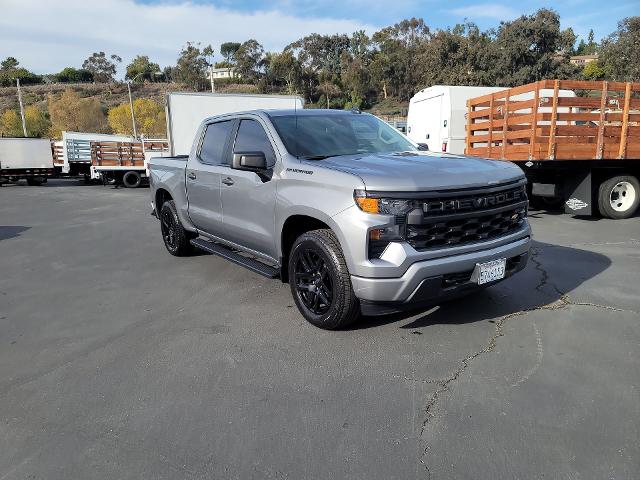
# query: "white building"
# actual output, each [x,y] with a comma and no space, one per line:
[226,72]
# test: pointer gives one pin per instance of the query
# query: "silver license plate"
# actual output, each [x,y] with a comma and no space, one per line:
[490,271]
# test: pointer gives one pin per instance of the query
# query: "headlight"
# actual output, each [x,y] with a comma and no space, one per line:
[384,206]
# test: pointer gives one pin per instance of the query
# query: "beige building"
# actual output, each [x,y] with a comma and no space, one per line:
[583,59]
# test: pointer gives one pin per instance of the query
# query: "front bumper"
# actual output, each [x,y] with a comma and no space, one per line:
[431,280]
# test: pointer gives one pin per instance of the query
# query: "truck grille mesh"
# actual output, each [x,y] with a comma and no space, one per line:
[455,218]
[462,231]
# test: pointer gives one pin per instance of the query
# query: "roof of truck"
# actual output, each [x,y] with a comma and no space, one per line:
[308,111]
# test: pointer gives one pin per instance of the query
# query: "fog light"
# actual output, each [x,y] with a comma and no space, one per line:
[379,238]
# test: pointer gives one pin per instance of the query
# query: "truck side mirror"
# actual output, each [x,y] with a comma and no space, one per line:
[250,161]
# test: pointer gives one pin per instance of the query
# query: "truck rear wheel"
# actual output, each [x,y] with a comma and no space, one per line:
[175,237]
[320,281]
[132,179]
[35,182]
[618,197]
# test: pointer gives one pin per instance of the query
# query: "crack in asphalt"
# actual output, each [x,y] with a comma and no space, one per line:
[544,275]
[562,302]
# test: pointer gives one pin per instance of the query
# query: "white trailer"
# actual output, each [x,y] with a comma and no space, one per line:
[437,115]
[26,158]
[76,150]
[185,112]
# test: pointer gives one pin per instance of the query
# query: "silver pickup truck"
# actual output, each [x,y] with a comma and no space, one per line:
[348,211]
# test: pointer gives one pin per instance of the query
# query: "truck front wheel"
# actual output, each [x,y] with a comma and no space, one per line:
[618,197]
[175,237]
[320,281]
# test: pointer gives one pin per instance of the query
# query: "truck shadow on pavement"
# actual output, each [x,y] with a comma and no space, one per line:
[552,273]
[10,231]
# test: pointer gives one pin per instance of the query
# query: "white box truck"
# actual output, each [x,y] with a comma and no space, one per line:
[436,116]
[185,112]
[27,159]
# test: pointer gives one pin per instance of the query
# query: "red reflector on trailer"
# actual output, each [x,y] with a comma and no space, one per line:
[444,146]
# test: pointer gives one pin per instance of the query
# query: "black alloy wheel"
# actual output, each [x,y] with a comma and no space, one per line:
[313,282]
[176,238]
[168,227]
[320,281]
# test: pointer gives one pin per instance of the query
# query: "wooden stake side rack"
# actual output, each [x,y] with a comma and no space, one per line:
[545,121]
[123,154]
[57,151]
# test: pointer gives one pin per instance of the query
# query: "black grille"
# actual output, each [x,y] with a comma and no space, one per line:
[460,231]
[458,217]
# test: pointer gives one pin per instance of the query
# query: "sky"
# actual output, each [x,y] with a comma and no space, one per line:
[48,35]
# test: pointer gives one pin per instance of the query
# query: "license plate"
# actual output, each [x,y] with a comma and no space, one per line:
[490,271]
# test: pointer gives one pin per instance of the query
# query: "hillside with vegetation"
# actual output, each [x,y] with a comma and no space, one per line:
[378,73]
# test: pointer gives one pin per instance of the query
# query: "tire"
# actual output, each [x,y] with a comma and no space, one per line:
[34,182]
[618,197]
[320,281]
[176,238]
[132,179]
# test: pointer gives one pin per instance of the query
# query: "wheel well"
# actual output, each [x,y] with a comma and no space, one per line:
[161,196]
[293,227]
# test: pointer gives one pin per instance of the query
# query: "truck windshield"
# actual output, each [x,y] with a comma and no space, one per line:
[327,135]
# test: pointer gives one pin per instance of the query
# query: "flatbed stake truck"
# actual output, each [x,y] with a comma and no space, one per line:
[579,151]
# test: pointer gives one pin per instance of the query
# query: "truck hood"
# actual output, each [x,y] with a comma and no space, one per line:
[423,171]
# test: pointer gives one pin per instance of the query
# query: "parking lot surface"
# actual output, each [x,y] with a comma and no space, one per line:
[118,360]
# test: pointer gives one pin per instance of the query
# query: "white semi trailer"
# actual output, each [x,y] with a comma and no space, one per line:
[27,159]
[185,112]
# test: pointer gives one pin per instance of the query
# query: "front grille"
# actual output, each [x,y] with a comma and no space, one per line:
[461,231]
[450,218]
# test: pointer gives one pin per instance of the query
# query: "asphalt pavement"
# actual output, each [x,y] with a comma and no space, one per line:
[118,360]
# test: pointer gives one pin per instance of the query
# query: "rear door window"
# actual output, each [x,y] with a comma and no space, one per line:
[214,143]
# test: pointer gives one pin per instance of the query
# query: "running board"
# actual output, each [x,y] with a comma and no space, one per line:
[247,262]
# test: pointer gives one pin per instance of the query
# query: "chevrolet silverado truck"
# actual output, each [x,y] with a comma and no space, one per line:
[352,214]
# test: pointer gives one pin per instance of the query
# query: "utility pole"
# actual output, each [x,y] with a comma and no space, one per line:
[133,116]
[24,123]
[213,88]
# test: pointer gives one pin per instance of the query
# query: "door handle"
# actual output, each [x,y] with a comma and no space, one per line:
[228,181]
[191,176]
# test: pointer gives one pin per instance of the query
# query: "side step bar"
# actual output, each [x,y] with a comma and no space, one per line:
[247,262]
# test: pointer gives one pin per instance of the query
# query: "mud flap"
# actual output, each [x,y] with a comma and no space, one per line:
[578,194]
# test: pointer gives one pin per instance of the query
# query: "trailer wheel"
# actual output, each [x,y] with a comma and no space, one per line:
[131,179]
[618,197]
